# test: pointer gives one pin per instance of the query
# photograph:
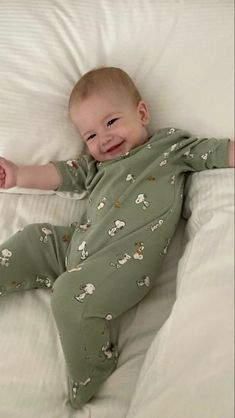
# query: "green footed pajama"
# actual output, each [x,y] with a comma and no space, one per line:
[99,268]
[85,298]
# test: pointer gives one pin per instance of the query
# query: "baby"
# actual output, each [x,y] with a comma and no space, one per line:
[105,264]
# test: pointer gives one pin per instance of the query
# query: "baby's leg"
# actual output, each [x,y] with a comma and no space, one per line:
[33,257]
[84,303]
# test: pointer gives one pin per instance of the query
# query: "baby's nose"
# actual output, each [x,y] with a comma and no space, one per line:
[106,139]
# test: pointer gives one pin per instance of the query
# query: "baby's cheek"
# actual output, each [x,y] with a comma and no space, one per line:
[92,148]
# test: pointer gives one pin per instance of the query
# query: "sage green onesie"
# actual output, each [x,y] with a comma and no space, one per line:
[103,265]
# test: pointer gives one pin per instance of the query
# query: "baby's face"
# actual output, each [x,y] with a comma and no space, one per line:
[110,124]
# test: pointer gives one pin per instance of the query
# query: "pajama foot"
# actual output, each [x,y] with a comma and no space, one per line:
[73,394]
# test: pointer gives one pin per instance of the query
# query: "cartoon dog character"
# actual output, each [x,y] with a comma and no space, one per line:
[84,252]
[130,178]
[118,226]
[47,232]
[144,282]
[87,289]
[141,198]
[157,225]
[44,281]
[139,251]
[121,260]
[106,349]
[76,385]
[102,203]
[4,259]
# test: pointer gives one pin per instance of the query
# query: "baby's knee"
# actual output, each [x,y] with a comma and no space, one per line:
[29,233]
[58,293]
[63,302]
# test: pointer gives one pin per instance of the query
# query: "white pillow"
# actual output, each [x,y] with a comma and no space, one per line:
[188,370]
[179,54]
[208,257]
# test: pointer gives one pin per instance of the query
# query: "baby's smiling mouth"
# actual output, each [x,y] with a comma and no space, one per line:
[114,148]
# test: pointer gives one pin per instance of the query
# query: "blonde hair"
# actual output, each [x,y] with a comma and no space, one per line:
[98,79]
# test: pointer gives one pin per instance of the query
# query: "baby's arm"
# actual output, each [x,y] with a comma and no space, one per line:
[44,177]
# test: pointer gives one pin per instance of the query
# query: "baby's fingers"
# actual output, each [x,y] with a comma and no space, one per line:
[2,178]
[2,173]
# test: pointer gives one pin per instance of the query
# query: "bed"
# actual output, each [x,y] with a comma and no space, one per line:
[177,345]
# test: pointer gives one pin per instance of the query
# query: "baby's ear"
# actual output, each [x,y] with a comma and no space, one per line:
[143,112]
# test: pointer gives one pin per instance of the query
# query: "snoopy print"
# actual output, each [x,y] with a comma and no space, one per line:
[84,252]
[121,260]
[84,227]
[139,251]
[5,257]
[141,198]
[45,238]
[87,289]
[157,225]
[106,349]
[73,166]
[118,226]
[165,249]
[145,281]
[75,386]
[76,268]
[171,131]
[130,178]
[44,281]
[102,203]
[188,154]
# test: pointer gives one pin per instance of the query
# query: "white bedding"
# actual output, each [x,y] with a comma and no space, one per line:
[177,345]
[188,370]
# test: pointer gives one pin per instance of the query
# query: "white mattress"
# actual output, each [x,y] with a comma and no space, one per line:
[177,345]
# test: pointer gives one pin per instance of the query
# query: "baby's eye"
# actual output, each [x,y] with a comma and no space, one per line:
[91,137]
[112,121]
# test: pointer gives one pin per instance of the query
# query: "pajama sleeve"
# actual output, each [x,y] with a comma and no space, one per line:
[76,175]
[198,154]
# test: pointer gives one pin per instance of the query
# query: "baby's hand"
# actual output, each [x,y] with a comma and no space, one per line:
[8,173]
